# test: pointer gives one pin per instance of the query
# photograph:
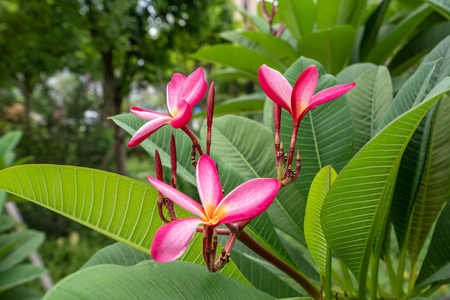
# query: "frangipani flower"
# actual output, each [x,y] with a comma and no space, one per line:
[245,202]
[300,99]
[183,93]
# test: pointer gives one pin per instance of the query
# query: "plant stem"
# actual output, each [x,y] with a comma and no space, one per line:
[348,279]
[248,241]
[328,293]
[374,263]
[194,140]
[412,275]
[400,270]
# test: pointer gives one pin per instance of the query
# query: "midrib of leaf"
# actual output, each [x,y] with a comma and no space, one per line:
[316,146]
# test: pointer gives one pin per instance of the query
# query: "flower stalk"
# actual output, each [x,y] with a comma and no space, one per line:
[209,117]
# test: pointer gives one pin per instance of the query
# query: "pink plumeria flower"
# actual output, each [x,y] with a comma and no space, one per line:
[183,93]
[245,202]
[300,99]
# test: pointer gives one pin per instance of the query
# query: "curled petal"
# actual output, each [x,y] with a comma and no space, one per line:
[183,115]
[172,240]
[304,89]
[275,86]
[247,200]
[146,114]
[331,93]
[178,197]
[146,130]
[194,88]
[173,91]
[208,184]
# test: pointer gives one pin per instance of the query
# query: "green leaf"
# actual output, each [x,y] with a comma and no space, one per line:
[253,103]
[116,254]
[350,73]
[435,183]
[117,206]
[330,13]
[19,275]
[240,58]
[331,47]
[27,242]
[315,239]
[149,280]
[369,101]
[9,141]
[372,28]
[6,223]
[441,6]
[276,47]
[298,16]
[412,92]
[389,44]
[354,209]
[22,294]
[442,50]
[160,140]
[436,266]
[417,47]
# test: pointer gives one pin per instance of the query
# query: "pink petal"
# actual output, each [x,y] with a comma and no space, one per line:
[178,197]
[147,114]
[275,86]
[304,89]
[146,130]
[173,91]
[247,200]
[330,94]
[183,115]
[172,240]
[194,88]
[208,185]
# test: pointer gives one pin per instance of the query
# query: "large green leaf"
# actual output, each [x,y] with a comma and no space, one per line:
[417,47]
[149,280]
[315,239]
[298,16]
[436,266]
[412,92]
[350,73]
[116,254]
[388,45]
[330,13]
[27,241]
[237,57]
[19,275]
[326,133]
[117,206]
[331,47]
[369,100]
[435,184]
[354,210]
[441,51]
[21,293]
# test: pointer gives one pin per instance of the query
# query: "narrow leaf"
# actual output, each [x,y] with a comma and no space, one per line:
[315,239]
[19,275]
[298,16]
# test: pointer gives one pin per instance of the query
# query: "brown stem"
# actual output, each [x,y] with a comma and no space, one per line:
[248,241]
[220,231]
[194,140]
[161,214]
[173,161]
[207,247]
[291,150]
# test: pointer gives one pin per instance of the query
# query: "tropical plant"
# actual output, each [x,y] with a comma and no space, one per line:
[371,164]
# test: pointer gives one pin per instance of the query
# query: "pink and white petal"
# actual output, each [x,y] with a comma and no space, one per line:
[173,91]
[146,130]
[208,184]
[194,87]
[183,115]
[304,89]
[147,114]
[178,197]
[275,86]
[172,240]
[247,200]
[330,94]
